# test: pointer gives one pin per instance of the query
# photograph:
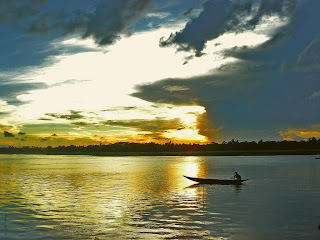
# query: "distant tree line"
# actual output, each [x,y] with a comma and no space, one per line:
[169,147]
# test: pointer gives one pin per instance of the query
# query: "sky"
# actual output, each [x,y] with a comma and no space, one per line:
[195,71]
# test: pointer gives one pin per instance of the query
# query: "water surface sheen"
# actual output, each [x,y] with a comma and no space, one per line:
[80,197]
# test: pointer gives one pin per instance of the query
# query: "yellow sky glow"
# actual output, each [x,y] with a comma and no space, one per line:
[98,84]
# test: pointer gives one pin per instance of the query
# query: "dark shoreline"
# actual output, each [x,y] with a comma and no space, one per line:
[231,148]
[188,153]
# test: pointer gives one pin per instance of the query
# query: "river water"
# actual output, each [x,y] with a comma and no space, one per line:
[83,197]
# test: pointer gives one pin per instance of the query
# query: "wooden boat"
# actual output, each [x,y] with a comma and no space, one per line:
[217,181]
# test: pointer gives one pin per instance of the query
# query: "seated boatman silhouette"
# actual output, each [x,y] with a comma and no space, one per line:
[237,176]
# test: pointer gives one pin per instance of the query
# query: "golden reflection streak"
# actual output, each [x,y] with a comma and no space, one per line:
[194,166]
[166,174]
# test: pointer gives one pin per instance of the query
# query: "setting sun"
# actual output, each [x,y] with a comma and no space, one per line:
[186,135]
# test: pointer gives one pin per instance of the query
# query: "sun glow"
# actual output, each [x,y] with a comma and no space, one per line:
[186,135]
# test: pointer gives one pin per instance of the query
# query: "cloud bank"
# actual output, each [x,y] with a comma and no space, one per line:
[271,87]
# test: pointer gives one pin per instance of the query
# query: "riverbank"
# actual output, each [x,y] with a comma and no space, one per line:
[186,153]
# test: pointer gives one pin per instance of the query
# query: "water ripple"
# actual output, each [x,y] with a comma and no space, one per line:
[80,197]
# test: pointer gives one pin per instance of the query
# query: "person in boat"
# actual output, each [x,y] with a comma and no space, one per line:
[236,176]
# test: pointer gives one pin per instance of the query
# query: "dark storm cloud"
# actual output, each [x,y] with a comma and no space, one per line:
[205,127]
[273,86]
[103,20]
[111,18]
[160,92]
[250,103]
[221,16]
[196,90]
[41,24]
[13,10]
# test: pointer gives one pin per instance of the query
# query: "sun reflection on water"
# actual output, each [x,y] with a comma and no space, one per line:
[115,196]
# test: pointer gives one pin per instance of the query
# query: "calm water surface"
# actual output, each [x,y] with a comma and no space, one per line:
[80,197]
